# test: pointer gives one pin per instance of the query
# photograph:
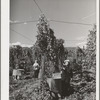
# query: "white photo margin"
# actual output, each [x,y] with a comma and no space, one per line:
[5,17]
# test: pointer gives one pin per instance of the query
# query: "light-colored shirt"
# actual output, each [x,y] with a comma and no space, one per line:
[36,66]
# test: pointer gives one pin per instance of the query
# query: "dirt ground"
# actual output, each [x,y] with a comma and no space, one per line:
[30,89]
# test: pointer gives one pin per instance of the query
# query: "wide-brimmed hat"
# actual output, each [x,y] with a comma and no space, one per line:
[65,62]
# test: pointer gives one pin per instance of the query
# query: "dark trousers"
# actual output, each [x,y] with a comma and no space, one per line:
[65,88]
[36,73]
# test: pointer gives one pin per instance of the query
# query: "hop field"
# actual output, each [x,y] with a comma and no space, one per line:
[31,89]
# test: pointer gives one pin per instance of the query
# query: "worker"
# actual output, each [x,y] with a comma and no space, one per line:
[15,72]
[36,69]
[66,75]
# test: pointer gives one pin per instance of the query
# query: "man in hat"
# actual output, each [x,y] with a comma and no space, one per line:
[66,76]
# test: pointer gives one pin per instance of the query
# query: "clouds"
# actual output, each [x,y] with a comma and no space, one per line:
[16,21]
[88,16]
[17,43]
[22,45]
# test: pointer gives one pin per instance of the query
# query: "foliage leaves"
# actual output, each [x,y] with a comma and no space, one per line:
[91,50]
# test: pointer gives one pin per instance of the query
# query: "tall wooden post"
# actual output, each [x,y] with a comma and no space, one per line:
[42,70]
[59,63]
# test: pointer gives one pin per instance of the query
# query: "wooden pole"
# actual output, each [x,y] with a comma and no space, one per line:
[41,73]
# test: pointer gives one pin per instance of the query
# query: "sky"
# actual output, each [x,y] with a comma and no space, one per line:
[79,11]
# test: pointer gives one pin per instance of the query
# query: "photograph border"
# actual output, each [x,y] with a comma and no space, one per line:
[5,15]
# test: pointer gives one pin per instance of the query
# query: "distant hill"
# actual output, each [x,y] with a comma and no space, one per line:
[71,49]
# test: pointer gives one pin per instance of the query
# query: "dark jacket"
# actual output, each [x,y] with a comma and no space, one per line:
[66,73]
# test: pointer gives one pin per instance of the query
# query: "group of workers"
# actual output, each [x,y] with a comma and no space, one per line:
[60,86]
[18,72]
[66,75]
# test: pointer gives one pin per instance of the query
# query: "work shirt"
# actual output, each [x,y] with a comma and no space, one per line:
[36,66]
[66,74]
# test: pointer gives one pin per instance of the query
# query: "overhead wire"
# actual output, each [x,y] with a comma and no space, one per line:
[75,40]
[62,21]
[38,6]
[33,41]
[88,16]
[71,22]
[66,22]
[25,22]
[21,34]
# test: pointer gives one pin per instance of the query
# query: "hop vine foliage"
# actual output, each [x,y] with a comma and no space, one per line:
[21,56]
[91,50]
[51,47]
[45,37]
